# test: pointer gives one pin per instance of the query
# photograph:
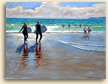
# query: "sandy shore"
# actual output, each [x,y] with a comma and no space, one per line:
[55,57]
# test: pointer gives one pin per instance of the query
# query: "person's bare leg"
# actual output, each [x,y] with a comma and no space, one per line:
[85,35]
[88,36]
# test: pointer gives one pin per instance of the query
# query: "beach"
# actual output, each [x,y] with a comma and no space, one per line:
[61,55]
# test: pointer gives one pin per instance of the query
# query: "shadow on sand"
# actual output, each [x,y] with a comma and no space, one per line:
[31,49]
[20,48]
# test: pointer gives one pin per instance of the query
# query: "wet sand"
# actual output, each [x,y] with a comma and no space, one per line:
[51,59]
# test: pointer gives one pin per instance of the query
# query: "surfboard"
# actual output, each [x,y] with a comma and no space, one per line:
[29,29]
[43,29]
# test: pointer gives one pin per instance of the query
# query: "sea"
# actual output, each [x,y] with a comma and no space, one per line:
[56,25]
[95,43]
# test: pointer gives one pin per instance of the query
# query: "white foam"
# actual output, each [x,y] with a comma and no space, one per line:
[73,43]
[92,47]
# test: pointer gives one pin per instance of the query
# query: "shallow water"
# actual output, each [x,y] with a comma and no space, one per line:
[96,41]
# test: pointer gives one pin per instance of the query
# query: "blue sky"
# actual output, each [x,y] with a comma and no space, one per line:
[25,5]
[79,4]
[33,5]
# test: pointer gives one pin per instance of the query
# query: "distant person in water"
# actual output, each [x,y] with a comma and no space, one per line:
[38,31]
[69,25]
[89,30]
[79,25]
[63,26]
[85,32]
[25,33]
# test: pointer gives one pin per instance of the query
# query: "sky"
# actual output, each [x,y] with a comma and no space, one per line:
[72,10]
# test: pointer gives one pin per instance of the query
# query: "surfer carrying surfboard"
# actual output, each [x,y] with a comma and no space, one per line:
[25,33]
[38,31]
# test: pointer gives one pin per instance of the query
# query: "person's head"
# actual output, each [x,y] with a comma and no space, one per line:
[84,25]
[25,24]
[38,22]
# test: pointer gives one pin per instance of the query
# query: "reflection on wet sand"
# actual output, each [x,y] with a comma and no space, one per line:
[24,56]
[38,56]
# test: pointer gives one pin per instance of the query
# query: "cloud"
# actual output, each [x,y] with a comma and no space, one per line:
[55,10]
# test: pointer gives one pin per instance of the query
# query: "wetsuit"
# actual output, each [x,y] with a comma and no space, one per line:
[25,33]
[38,31]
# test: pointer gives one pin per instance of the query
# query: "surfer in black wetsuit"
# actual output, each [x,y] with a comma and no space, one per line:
[25,33]
[38,31]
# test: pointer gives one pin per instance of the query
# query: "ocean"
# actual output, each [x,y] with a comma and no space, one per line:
[96,25]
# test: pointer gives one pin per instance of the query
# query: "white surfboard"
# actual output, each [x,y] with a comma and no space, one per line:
[29,29]
[43,29]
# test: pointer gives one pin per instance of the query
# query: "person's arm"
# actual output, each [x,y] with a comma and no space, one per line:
[36,29]
[21,30]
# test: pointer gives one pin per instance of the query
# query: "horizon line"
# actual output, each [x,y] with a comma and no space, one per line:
[54,18]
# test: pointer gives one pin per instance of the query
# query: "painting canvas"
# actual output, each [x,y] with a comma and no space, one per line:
[55,40]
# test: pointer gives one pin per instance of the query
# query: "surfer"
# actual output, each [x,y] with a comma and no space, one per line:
[25,33]
[38,31]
